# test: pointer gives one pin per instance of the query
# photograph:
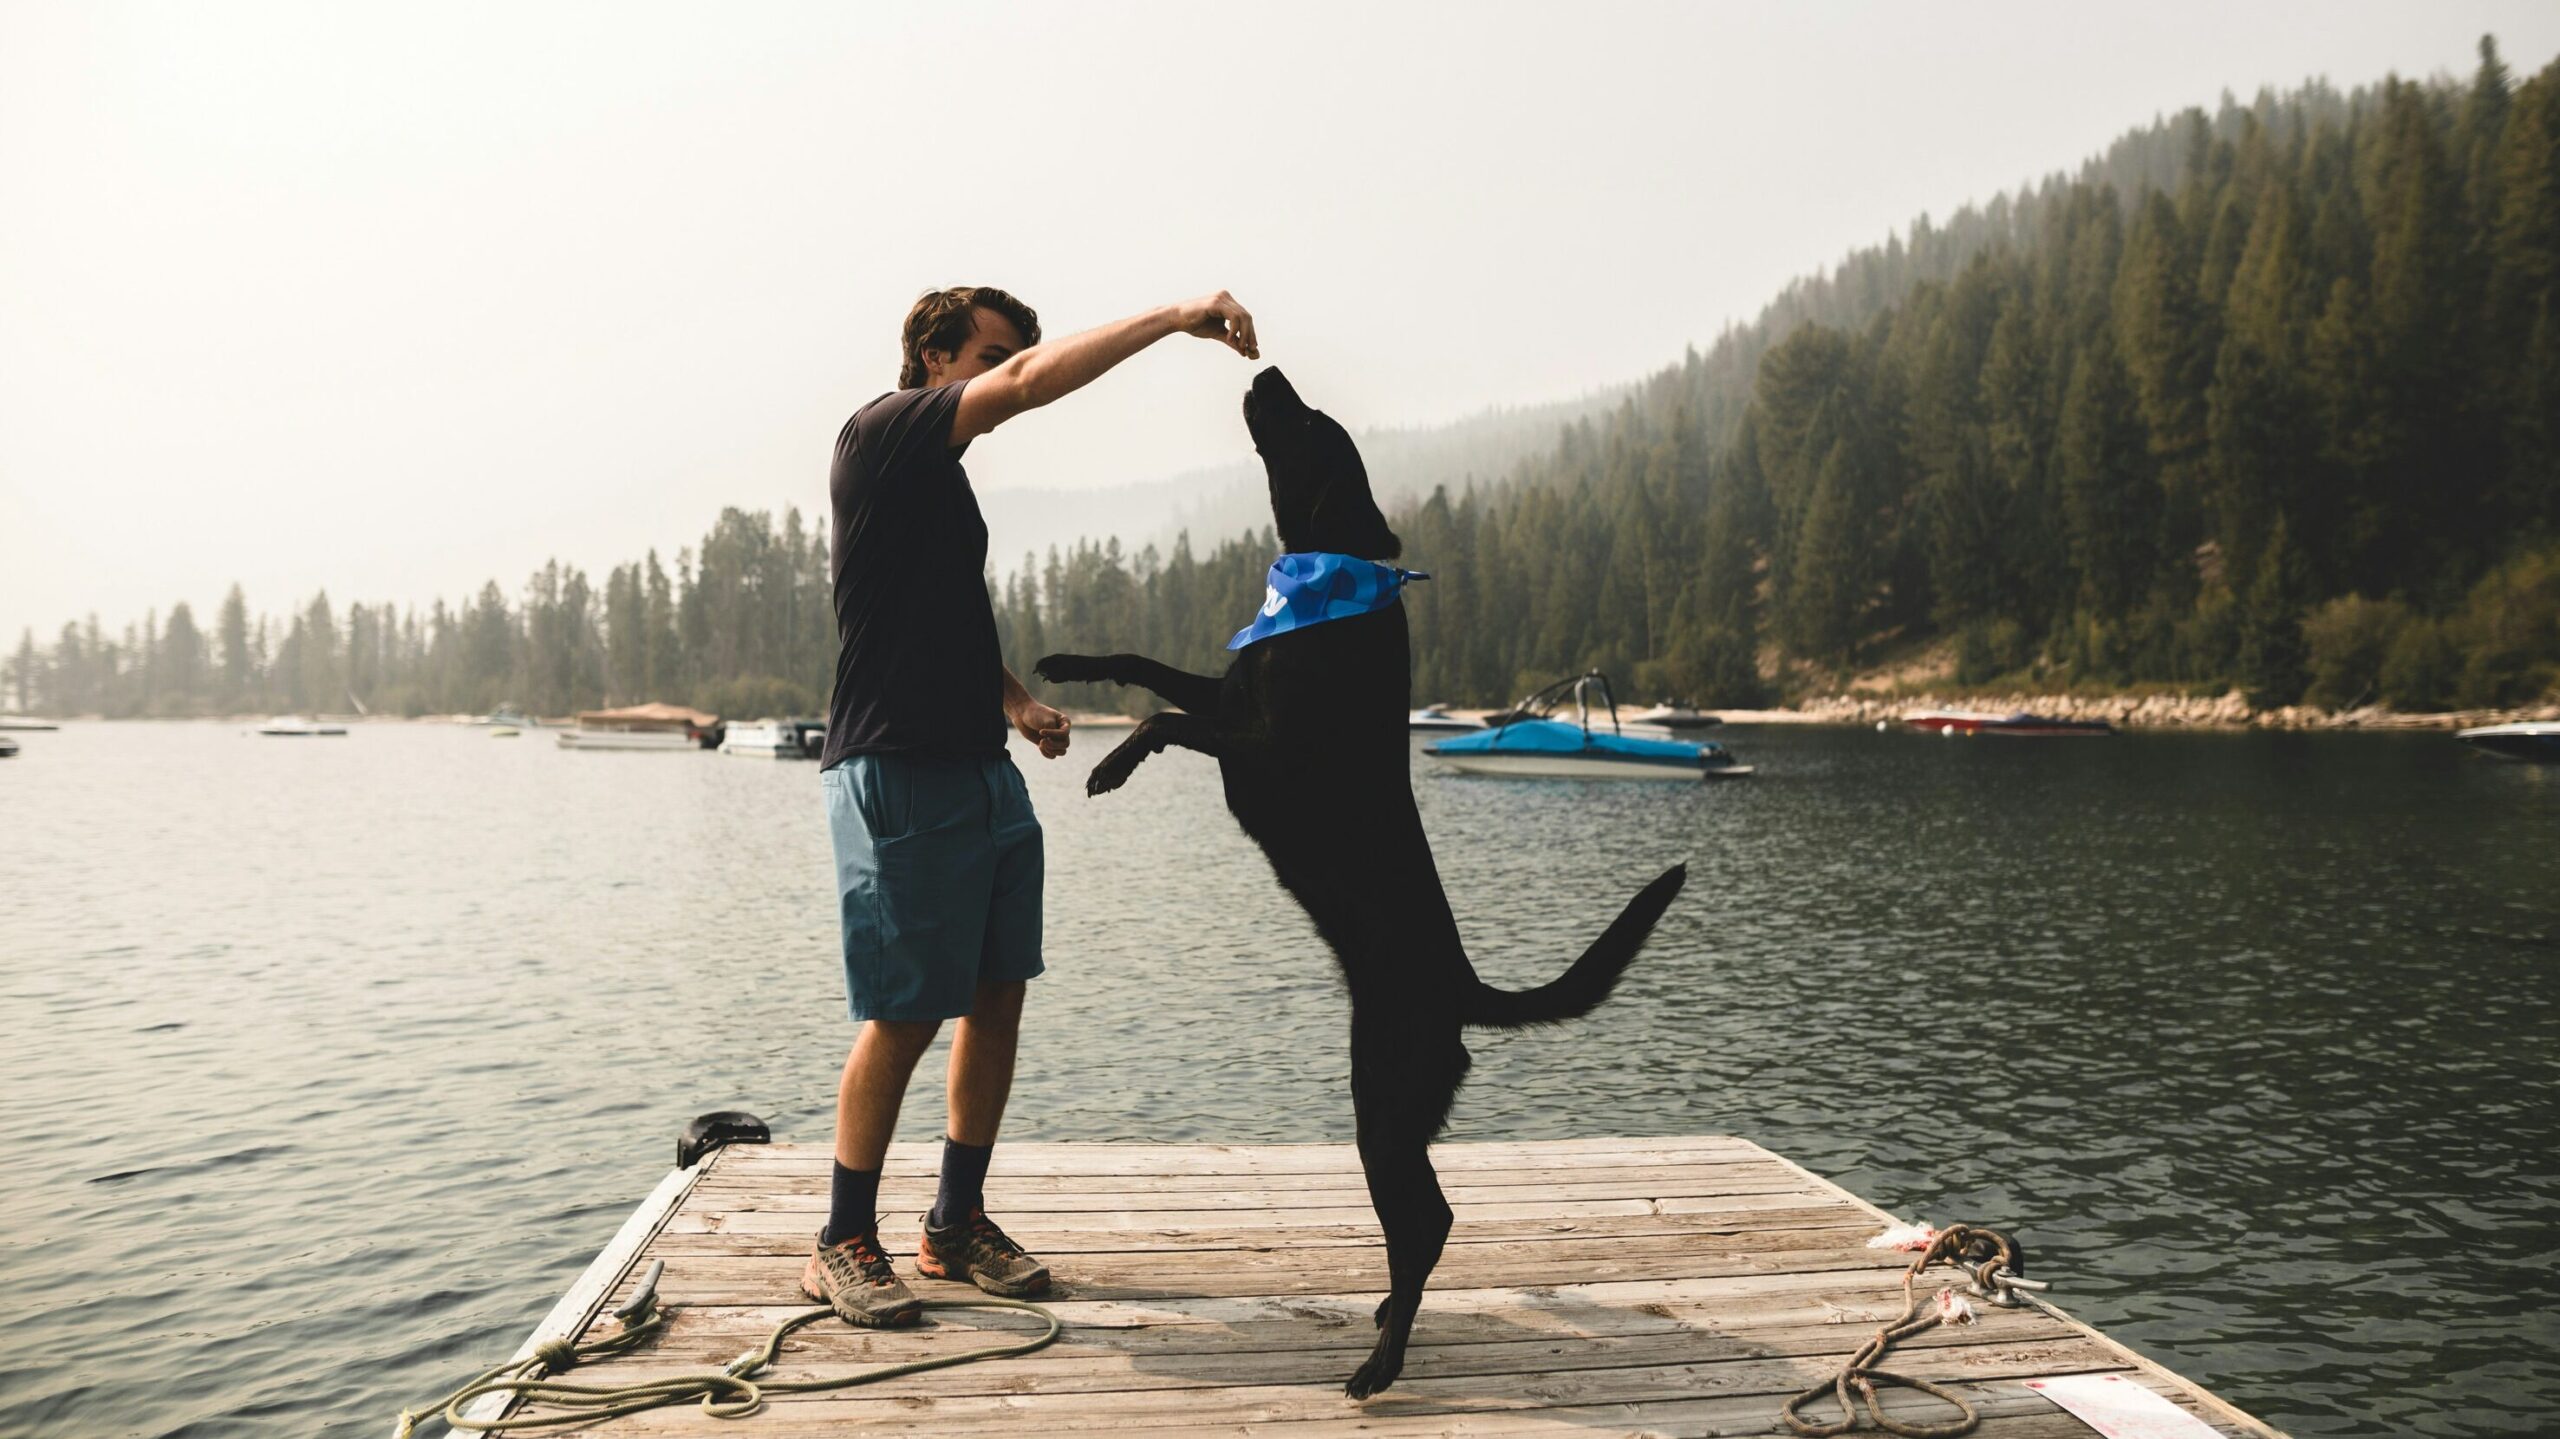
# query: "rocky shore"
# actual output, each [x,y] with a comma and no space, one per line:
[2156,711]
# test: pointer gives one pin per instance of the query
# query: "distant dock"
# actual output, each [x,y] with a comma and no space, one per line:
[1682,1286]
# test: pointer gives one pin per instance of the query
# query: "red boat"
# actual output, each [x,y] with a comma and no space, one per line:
[1956,722]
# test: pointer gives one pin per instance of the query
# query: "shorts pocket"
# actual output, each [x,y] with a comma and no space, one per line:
[917,796]
[883,796]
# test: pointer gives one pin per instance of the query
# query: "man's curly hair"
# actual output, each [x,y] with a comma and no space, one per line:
[941,321]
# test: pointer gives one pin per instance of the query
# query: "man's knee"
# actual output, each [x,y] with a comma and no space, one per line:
[905,1039]
[997,1005]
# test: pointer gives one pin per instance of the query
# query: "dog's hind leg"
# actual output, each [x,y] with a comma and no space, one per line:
[1402,1094]
[1151,737]
[1179,688]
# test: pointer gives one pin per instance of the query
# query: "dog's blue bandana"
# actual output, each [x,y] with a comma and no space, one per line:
[1309,589]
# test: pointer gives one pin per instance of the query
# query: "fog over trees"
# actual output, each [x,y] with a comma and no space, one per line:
[2265,397]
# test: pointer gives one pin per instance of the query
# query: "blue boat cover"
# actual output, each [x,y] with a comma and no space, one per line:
[1546,736]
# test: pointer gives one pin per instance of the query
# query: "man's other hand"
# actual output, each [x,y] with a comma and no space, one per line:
[1219,317]
[1041,725]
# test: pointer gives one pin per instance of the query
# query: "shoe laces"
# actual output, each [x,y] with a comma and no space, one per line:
[864,1251]
[984,1231]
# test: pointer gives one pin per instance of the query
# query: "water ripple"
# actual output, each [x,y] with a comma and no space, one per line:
[369,1045]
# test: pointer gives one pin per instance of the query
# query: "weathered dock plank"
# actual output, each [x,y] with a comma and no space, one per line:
[1678,1286]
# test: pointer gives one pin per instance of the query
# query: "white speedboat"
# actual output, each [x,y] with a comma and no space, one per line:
[1436,719]
[24,722]
[1951,723]
[1534,745]
[2535,740]
[297,727]
[1671,717]
[776,739]
[8,746]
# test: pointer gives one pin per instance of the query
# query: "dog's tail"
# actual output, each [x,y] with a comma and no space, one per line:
[1579,990]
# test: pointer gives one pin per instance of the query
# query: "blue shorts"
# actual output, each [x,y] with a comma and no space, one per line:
[938,869]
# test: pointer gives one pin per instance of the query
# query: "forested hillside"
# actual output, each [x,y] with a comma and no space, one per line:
[2266,397]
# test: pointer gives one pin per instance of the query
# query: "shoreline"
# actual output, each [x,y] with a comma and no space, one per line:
[2229,711]
[2219,712]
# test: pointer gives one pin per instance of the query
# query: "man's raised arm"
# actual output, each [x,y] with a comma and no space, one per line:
[1043,373]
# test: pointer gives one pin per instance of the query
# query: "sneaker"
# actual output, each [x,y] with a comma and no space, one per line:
[977,1251]
[856,1278]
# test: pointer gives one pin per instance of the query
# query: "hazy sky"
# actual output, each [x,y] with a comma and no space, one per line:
[395,299]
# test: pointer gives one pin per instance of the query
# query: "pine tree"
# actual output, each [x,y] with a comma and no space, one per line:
[2161,328]
[2272,653]
[235,646]
[23,670]
[182,657]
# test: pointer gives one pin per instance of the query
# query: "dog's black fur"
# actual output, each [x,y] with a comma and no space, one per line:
[1309,732]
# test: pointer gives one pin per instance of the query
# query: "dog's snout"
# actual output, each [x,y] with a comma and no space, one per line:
[1272,388]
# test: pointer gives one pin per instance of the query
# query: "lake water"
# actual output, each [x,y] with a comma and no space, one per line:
[330,1062]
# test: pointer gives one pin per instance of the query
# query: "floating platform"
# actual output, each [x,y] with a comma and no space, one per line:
[1682,1286]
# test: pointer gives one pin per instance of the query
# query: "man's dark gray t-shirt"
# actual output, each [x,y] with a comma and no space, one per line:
[918,670]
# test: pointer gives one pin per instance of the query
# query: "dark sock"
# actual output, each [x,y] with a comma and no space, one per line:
[964,1182]
[853,1205]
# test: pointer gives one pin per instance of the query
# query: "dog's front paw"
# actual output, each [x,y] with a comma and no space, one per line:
[1067,669]
[1379,1372]
[1109,775]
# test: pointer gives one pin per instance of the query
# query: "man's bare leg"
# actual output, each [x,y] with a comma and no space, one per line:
[875,1078]
[982,1047]
[959,1241]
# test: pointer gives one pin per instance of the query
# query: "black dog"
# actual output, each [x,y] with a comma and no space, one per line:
[1308,728]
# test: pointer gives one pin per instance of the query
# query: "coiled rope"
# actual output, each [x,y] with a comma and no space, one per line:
[728,1393]
[1991,1260]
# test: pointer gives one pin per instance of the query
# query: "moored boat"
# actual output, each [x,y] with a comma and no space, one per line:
[1956,722]
[2534,740]
[1672,716]
[24,722]
[297,727]
[776,739]
[626,739]
[643,727]
[1536,745]
[1558,749]
[1436,719]
[8,746]
[1548,703]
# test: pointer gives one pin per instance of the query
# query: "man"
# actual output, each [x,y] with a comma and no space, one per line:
[937,852]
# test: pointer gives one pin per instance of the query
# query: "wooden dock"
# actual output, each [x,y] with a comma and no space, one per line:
[1623,1286]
